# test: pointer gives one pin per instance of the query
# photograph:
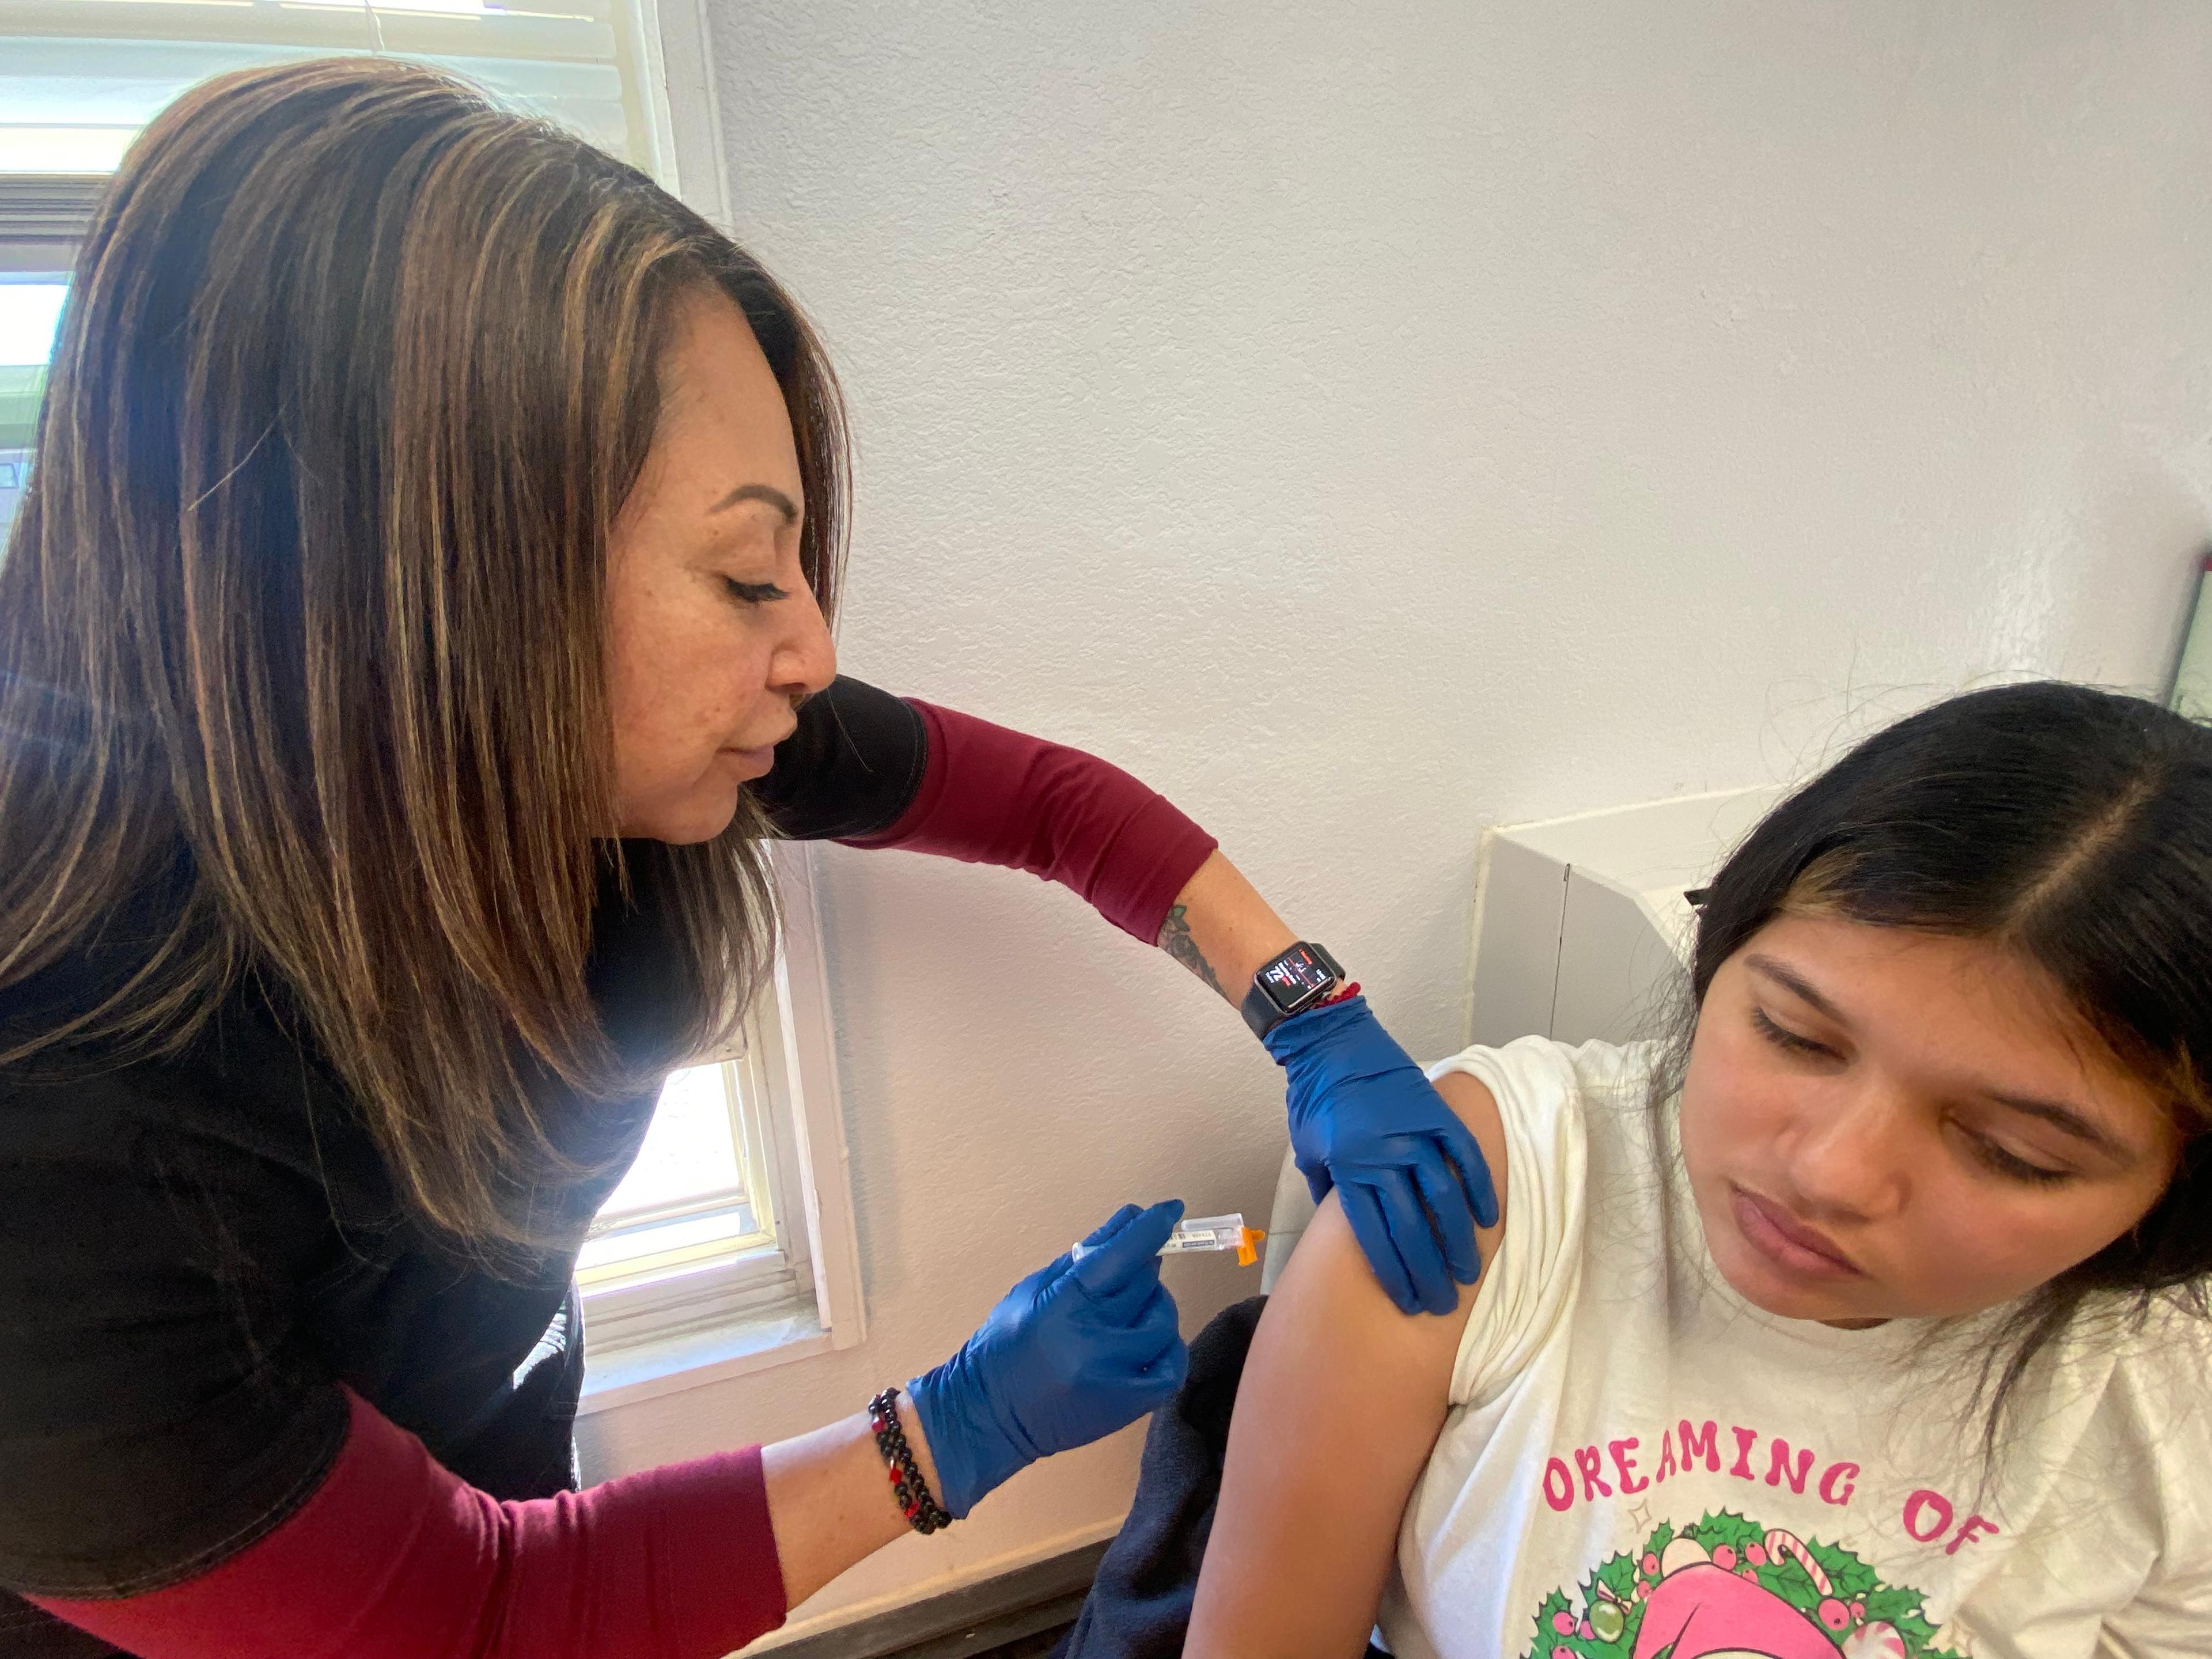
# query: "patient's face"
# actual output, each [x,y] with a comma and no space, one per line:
[1880,1123]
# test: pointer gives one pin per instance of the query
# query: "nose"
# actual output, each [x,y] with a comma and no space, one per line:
[1849,1158]
[806,658]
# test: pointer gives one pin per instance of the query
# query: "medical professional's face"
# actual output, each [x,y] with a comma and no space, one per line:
[1880,1123]
[713,634]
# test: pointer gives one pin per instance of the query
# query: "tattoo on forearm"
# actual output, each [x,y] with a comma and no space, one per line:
[1176,940]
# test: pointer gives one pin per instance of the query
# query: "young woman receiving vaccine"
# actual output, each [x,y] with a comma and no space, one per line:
[415,624]
[1866,1318]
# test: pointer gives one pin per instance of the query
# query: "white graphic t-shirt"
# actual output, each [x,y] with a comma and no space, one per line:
[1639,1464]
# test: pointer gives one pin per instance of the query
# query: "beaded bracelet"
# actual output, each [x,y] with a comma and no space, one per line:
[922,1512]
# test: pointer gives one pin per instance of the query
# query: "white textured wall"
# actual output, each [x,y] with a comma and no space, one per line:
[1371,422]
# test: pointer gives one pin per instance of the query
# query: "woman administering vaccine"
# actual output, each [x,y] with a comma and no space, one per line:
[415,626]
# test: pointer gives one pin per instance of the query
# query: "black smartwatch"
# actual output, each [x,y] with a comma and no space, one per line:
[1289,984]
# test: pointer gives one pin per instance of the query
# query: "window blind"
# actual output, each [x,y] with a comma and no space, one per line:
[78,78]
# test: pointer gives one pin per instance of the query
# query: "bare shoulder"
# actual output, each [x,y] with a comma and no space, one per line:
[1327,1287]
[1301,1544]
[1470,1097]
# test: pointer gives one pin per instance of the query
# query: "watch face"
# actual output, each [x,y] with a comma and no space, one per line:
[1295,977]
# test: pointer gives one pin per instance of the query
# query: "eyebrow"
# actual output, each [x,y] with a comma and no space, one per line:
[2067,1121]
[2063,1118]
[758,492]
[1795,983]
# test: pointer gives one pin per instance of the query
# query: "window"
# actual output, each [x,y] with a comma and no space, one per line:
[40,220]
[697,1237]
[82,76]
[79,78]
[30,306]
[730,1244]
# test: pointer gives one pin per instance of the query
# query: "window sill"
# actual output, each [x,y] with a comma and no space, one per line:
[672,1365]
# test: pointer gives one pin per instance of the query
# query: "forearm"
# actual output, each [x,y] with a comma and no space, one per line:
[1222,930]
[408,1562]
[829,1498]
[393,1556]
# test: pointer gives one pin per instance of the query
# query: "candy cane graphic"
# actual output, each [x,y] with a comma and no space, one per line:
[1779,1543]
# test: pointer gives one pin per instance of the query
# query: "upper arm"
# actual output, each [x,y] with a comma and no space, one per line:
[852,767]
[2168,1619]
[1342,1400]
[2170,1436]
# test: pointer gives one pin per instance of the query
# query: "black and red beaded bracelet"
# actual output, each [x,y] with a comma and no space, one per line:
[922,1512]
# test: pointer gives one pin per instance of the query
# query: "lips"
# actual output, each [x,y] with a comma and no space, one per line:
[753,763]
[750,750]
[1777,1235]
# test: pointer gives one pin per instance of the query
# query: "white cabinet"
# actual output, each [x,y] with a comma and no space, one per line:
[1582,925]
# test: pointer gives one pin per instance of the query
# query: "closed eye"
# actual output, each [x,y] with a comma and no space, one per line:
[2011,1164]
[1785,1039]
[757,592]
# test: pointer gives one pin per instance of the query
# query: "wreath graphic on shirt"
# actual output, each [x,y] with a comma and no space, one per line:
[1724,1585]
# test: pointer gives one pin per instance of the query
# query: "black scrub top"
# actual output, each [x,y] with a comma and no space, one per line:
[196,1252]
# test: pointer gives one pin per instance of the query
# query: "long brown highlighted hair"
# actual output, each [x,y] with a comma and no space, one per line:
[302,617]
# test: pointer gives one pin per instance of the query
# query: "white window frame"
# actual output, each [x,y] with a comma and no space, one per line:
[723,1280]
[801,1294]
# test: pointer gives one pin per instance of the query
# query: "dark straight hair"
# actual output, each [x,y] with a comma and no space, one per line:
[2073,827]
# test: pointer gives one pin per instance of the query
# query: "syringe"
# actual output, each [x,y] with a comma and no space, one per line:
[1216,1232]
[1206,1232]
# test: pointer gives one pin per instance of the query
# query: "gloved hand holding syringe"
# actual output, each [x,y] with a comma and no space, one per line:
[1209,1232]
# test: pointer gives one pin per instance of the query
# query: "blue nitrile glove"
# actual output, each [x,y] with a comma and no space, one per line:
[1412,1180]
[1077,1350]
